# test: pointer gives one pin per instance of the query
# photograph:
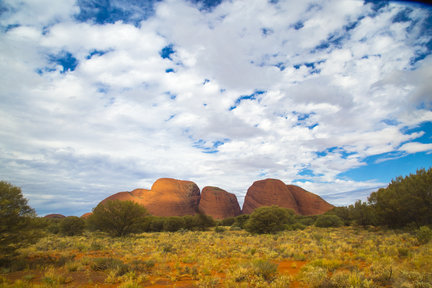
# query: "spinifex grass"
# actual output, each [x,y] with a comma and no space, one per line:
[314,257]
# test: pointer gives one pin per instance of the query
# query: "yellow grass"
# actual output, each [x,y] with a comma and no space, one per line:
[315,257]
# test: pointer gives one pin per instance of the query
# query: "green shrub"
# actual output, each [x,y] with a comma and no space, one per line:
[424,235]
[72,225]
[325,221]
[219,229]
[156,224]
[118,218]
[270,219]
[241,220]
[227,221]
[172,224]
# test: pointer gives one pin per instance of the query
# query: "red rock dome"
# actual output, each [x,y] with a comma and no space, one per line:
[218,203]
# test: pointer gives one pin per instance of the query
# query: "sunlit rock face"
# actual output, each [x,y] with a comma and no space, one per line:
[86,215]
[266,193]
[270,192]
[218,203]
[167,197]
[171,197]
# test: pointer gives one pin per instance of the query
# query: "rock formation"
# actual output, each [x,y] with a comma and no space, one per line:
[55,216]
[266,193]
[86,215]
[309,203]
[171,197]
[167,197]
[218,203]
[274,192]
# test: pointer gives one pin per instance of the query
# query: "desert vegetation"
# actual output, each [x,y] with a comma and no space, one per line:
[361,245]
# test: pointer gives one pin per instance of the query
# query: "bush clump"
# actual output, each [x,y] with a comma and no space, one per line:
[325,221]
[118,218]
[71,226]
[424,235]
[272,219]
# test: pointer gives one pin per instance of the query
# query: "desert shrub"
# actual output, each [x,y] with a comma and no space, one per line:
[172,224]
[189,222]
[203,222]
[156,224]
[72,225]
[142,265]
[265,269]
[424,235]
[241,220]
[314,276]
[219,229]
[208,282]
[305,220]
[227,221]
[344,213]
[296,226]
[118,218]
[381,272]
[52,225]
[270,219]
[325,221]
[102,264]
[344,279]
[18,224]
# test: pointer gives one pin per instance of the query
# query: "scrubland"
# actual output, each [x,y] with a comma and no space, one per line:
[313,257]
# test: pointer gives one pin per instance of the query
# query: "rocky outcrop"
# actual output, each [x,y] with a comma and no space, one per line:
[86,215]
[309,203]
[167,197]
[266,193]
[55,216]
[274,192]
[171,197]
[218,203]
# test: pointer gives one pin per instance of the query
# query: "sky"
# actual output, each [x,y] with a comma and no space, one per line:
[103,96]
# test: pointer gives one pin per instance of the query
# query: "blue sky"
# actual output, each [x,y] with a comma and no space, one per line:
[102,96]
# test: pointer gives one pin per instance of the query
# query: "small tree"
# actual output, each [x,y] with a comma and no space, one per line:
[118,218]
[269,220]
[17,220]
[72,225]
[328,221]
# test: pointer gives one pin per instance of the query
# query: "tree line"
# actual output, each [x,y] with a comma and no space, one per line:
[405,203]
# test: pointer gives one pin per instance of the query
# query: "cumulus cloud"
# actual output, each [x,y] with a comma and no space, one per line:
[98,100]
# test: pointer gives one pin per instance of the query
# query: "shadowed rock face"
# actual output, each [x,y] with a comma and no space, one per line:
[309,203]
[58,216]
[274,192]
[218,203]
[167,197]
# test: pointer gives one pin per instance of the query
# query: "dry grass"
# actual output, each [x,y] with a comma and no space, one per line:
[315,257]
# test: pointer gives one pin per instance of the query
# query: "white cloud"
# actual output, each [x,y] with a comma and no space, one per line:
[414,147]
[119,120]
